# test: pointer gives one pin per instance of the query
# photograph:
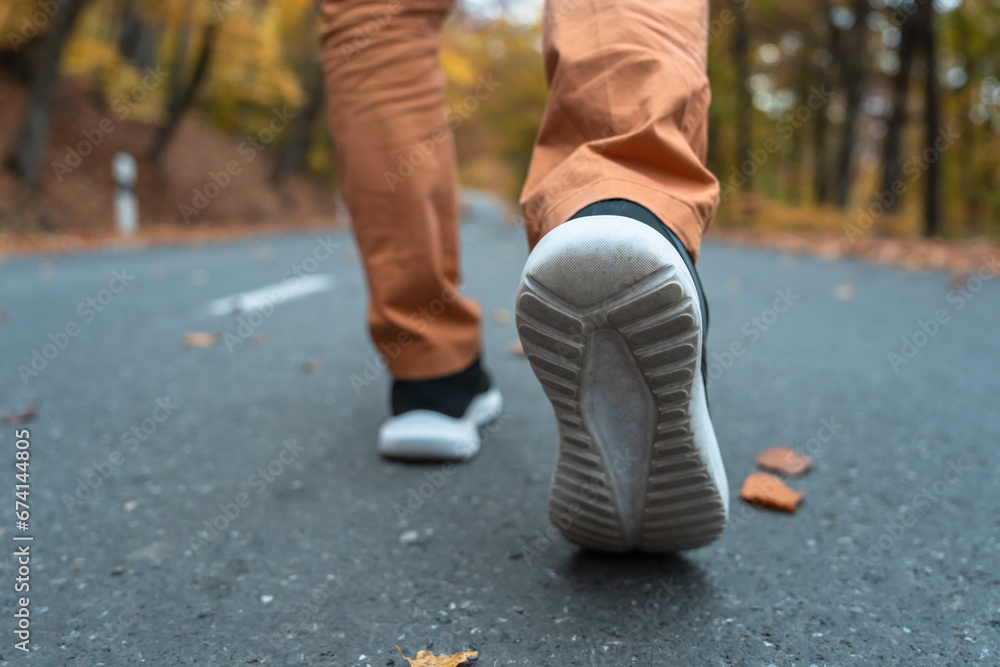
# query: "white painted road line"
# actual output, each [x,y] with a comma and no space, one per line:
[286,290]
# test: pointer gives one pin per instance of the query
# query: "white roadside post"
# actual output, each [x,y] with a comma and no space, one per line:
[124,172]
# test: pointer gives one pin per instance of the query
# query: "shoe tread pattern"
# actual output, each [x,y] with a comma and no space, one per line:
[681,506]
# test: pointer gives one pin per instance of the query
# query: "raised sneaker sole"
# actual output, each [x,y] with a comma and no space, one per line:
[429,435]
[610,321]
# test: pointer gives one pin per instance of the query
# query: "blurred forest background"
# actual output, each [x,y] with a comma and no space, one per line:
[843,117]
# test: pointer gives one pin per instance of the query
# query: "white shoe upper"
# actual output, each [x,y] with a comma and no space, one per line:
[429,435]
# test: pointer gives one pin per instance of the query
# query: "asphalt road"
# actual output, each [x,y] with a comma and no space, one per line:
[221,505]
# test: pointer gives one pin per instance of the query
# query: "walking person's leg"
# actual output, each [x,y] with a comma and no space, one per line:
[627,115]
[397,173]
[610,309]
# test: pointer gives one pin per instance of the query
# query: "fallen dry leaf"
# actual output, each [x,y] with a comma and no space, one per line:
[766,490]
[310,367]
[783,460]
[955,256]
[427,659]
[517,348]
[501,316]
[259,340]
[844,292]
[201,339]
[19,418]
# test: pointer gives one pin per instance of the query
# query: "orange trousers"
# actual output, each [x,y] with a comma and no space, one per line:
[626,118]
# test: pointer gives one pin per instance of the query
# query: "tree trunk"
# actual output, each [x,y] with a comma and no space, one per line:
[137,40]
[970,168]
[22,63]
[178,68]
[821,176]
[712,153]
[293,151]
[991,183]
[932,186]
[844,169]
[739,51]
[821,168]
[183,95]
[897,123]
[852,68]
[34,131]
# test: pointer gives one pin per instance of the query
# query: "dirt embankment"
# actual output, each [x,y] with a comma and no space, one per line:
[179,199]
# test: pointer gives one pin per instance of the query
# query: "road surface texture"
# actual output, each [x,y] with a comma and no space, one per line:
[225,505]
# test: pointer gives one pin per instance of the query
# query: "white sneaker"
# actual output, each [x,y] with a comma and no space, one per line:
[430,435]
[611,321]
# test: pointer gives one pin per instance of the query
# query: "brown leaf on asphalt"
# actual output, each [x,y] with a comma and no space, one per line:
[310,367]
[517,348]
[18,418]
[201,339]
[766,490]
[844,292]
[427,659]
[783,460]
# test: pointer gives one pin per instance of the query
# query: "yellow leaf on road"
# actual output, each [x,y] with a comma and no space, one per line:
[427,659]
